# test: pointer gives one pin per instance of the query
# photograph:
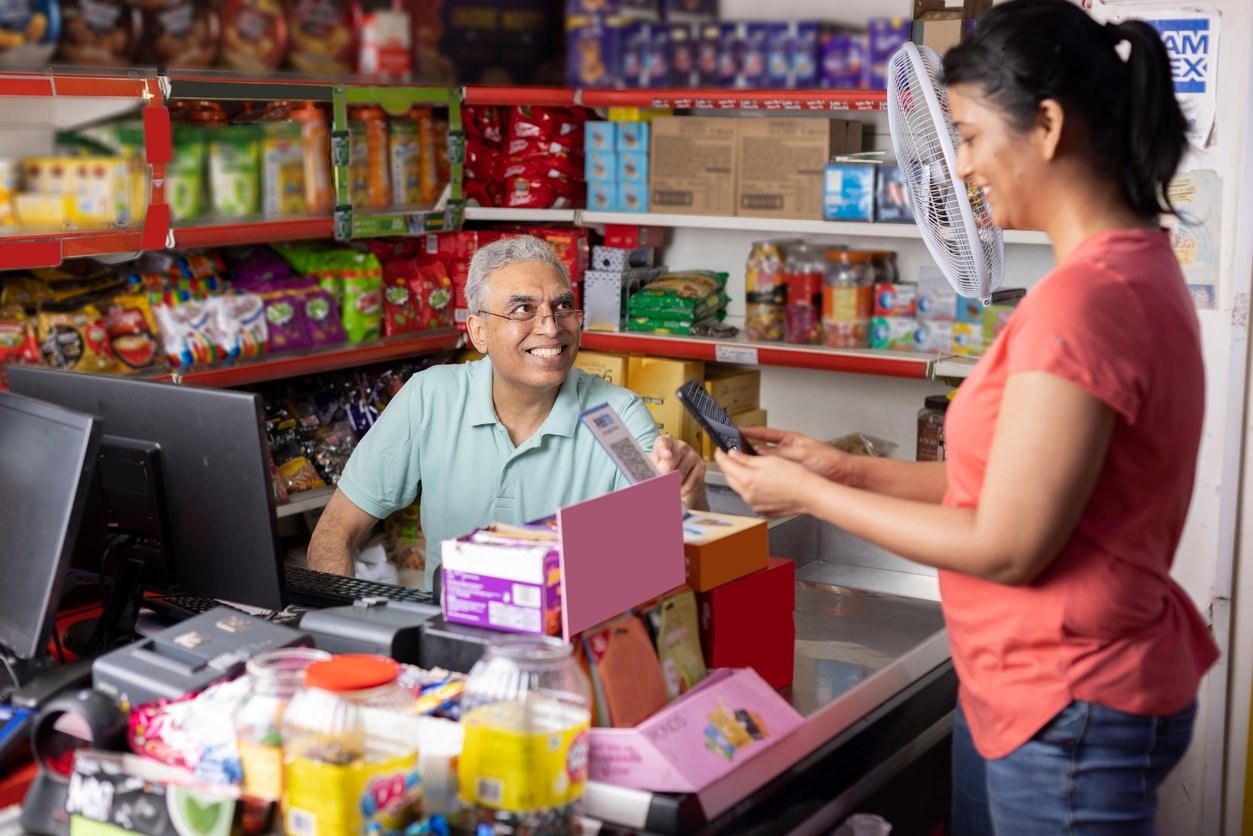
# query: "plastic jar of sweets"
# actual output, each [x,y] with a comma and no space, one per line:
[765,289]
[931,428]
[848,298]
[804,270]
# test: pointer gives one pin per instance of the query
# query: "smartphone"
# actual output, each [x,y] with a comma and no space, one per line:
[712,418]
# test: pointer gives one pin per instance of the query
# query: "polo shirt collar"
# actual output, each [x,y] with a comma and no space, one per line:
[563,420]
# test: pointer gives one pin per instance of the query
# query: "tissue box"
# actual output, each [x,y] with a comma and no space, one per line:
[722,547]
[727,720]
[748,623]
[848,192]
[502,583]
[631,237]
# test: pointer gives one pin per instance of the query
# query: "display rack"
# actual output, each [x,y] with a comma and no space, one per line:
[331,358]
[784,100]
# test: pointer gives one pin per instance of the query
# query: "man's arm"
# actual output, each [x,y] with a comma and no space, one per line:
[338,536]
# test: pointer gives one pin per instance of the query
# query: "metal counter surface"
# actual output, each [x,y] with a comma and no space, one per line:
[855,651]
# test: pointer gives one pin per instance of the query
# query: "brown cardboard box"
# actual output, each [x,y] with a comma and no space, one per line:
[750,418]
[788,157]
[735,390]
[723,547]
[693,165]
[612,367]
[940,24]
[656,379]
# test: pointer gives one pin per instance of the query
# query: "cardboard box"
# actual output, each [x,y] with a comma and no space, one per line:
[631,237]
[736,390]
[848,192]
[891,203]
[784,160]
[940,24]
[510,586]
[656,379]
[895,299]
[748,623]
[893,333]
[727,720]
[611,367]
[694,165]
[722,547]
[748,418]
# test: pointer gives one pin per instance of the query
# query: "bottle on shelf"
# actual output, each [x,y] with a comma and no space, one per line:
[848,298]
[803,270]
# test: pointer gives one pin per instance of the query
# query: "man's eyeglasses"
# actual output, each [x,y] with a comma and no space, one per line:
[566,318]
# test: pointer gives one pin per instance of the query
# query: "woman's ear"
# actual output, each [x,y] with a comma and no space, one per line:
[1050,119]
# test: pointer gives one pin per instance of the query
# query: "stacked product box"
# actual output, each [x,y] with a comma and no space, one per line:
[977,325]
[627,43]
[616,273]
[861,190]
[617,166]
[894,322]
[738,391]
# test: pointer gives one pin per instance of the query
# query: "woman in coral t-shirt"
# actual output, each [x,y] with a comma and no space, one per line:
[1071,448]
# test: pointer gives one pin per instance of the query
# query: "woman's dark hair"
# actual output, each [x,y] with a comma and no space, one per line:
[1025,51]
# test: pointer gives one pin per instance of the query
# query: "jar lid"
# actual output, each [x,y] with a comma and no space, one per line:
[849,255]
[939,402]
[351,672]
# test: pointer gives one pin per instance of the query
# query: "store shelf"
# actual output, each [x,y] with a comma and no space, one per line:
[853,361]
[495,213]
[782,225]
[953,368]
[260,231]
[547,96]
[298,503]
[280,366]
[794,100]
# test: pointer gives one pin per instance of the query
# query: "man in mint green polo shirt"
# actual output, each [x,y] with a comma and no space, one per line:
[498,440]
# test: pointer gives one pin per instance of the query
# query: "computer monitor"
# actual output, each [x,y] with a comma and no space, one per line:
[221,536]
[47,462]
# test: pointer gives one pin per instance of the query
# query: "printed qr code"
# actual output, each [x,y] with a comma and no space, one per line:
[490,790]
[525,596]
[301,823]
[628,453]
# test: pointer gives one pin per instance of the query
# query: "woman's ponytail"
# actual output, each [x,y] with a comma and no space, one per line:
[1156,129]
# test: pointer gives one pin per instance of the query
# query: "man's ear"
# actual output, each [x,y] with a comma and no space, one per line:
[477,329]
[1050,119]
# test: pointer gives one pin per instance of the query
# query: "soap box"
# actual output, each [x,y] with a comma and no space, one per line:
[717,727]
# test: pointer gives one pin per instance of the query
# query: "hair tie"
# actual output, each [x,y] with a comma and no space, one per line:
[1118,40]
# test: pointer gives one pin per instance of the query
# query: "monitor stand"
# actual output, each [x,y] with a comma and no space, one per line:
[116,625]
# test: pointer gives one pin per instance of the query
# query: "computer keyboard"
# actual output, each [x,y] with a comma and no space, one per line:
[313,589]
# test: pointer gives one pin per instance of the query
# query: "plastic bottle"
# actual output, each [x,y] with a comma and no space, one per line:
[803,271]
[526,713]
[848,299]
[931,428]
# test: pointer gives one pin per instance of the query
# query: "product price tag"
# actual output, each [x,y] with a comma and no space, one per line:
[743,354]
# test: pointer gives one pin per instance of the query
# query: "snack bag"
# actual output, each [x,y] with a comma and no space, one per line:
[132,330]
[675,624]
[433,295]
[17,340]
[238,325]
[185,333]
[400,306]
[286,323]
[75,339]
[362,309]
[322,315]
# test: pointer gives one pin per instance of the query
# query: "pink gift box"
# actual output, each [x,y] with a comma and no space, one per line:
[710,731]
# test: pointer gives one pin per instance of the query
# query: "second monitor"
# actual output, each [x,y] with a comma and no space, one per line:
[202,453]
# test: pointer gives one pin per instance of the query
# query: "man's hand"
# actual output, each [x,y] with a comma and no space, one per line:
[671,454]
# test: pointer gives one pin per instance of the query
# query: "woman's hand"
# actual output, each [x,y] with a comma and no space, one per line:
[813,455]
[771,484]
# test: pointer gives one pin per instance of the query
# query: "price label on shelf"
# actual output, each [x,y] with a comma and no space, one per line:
[742,354]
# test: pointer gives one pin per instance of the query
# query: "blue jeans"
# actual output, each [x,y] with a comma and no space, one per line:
[1091,770]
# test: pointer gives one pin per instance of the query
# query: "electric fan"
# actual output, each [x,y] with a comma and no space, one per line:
[954,219]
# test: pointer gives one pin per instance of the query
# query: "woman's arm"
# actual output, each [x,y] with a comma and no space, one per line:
[1048,450]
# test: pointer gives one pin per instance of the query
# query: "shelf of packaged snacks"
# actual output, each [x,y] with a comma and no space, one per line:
[260,231]
[781,225]
[739,350]
[331,358]
[298,503]
[815,100]
[953,368]
[545,96]
[497,213]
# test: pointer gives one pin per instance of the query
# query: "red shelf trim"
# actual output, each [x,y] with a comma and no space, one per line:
[277,367]
[49,250]
[831,360]
[821,100]
[547,96]
[261,232]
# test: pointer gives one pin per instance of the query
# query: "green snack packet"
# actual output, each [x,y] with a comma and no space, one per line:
[235,170]
[363,296]
[185,174]
[674,622]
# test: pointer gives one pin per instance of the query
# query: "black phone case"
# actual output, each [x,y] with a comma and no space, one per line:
[712,418]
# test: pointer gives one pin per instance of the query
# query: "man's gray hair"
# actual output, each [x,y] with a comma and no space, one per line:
[503,253]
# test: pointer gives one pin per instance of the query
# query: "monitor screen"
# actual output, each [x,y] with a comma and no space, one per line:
[214,474]
[47,461]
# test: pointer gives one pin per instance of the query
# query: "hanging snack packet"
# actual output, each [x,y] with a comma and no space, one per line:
[237,324]
[362,309]
[185,333]
[674,622]
[132,330]
[400,306]
[285,319]
[322,315]
[433,295]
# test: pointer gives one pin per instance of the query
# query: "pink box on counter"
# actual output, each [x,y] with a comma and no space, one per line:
[714,729]
[563,575]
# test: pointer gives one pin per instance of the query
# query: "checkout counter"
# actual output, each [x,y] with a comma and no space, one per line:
[876,686]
